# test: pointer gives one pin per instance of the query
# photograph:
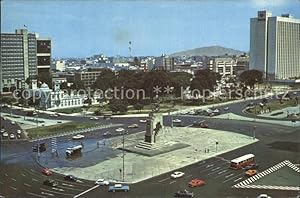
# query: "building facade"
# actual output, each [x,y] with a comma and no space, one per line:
[275,45]
[18,59]
[165,63]
[223,66]
[88,77]
[43,55]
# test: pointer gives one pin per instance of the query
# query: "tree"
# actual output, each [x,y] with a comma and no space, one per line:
[251,77]
[106,80]
[118,106]
[180,80]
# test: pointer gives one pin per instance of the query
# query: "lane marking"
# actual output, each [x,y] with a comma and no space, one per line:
[215,168]
[56,192]
[233,177]
[163,180]
[68,188]
[23,175]
[67,185]
[27,184]
[59,189]
[44,193]
[13,188]
[172,182]
[221,172]
[238,179]
[88,190]
[36,195]
[13,179]
[35,180]
[229,175]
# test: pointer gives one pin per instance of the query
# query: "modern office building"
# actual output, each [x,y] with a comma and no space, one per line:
[165,62]
[224,66]
[275,45]
[88,77]
[23,56]
[18,59]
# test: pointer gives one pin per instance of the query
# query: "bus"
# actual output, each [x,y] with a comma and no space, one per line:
[242,161]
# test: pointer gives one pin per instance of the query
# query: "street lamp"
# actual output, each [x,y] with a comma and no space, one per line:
[254,132]
[123,155]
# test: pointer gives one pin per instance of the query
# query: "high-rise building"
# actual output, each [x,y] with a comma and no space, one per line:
[225,66]
[165,63]
[18,59]
[23,56]
[275,45]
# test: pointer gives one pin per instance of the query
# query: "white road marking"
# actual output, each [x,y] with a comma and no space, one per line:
[221,172]
[88,190]
[67,185]
[238,179]
[172,182]
[229,175]
[27,184]
[163,180]
[59,189]
[44,193]
[36,195]
[68,188]
[215,168]
[209,165]
[13,179]
[233,177]
[56,192]
[23,175]
[35,179]
[13,188]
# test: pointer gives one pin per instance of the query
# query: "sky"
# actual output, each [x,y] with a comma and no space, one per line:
[81,28]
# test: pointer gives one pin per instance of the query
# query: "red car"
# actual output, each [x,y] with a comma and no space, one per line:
[196,183]
[47,171]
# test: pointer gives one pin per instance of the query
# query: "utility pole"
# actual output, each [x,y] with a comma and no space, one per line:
[123,155]
[254,128]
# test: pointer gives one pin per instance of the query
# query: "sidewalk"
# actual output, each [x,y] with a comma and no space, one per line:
[139,167]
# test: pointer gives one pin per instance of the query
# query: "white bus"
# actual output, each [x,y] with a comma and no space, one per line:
[242,161]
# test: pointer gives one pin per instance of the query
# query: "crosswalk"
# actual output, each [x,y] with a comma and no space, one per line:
[247,183]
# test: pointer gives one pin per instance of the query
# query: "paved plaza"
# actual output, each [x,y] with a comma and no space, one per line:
[139,167]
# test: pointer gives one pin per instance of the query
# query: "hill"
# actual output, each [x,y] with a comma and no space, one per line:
[209,51]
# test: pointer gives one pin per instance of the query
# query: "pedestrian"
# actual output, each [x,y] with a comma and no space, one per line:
[208,150]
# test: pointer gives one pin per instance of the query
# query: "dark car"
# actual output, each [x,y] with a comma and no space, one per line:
[70,178]
[50,182]
[39,147]
[251,166]
[184,193]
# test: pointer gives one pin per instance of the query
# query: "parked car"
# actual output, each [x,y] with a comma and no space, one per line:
[12,136]
[2,130]
[133,126]
[5,134]
[176,121]
[250,172]
[71,178]
[251,166]
[177,174]
[107,133]
[226,108]
[118,188]
[78,137]
[184,193]
[102,182]
[201,124]
[46,171]
[94,118]
[19,131]
[13,122]
[196,183]
[50,182]
[143,121]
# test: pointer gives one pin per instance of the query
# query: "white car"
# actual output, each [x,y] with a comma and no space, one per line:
[263,196]
[19,131]
[176,121]
[226,108]
[133,126]
[78,137]
[13,122]
[94,118]
[2,130]
[5,134]
[177,174]
[54,115]
[143,121]
[12,136]
[120,130]
[102,182]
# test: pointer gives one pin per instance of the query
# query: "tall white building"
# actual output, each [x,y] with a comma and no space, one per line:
[275,45]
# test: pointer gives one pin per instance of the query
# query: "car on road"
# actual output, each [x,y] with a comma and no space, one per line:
[143,121]
[5,134]
[177,174]
[19,131]
[201,124]
[107,133]
[2,130]
[78,137]
[54,115]
[118,188]
[133,126]
[295,92]
[226,108]
[50,182]
[251,172]
[120,130]
[263,196]
[102,182]
[184,193]
[176,121]
[94,118]
[71,178]
[46,171]
[13,122]
[12,136]
[196,183]
[251,166]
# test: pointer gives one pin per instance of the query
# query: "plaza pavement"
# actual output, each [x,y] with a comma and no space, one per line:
[232,116]
[139,167]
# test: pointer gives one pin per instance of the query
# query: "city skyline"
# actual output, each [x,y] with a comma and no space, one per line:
[154,27]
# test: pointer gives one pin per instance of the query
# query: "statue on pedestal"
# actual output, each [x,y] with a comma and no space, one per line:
[154,125]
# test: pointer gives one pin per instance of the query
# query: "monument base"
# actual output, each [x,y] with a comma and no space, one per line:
[148,149]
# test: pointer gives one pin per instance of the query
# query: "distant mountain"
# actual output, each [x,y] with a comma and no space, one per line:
[209,51]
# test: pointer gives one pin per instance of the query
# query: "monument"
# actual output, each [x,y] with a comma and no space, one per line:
[153,127]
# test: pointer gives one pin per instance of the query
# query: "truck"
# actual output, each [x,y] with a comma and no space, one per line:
[73,150]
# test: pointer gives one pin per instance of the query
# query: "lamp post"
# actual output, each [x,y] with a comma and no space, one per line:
[254,128]
[123,156]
